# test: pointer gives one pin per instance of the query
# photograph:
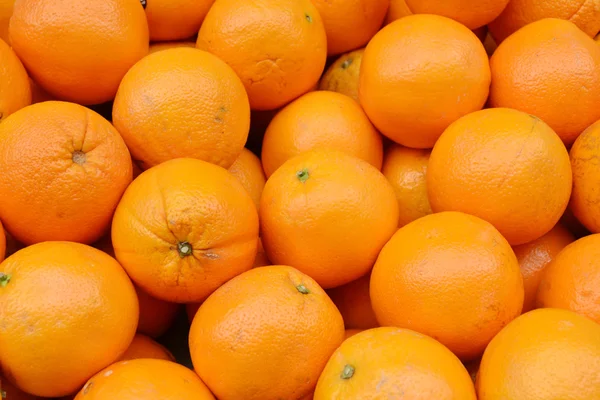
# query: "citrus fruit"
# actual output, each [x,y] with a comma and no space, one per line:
[535,256]
[183,228]
[572,279]
[38,94]
[550,69]
[389,363]
[354,303]
[77,53]
[544,354]
[6,10]
[328,214]
[182,102]
[504,166]
[191,309]
[248,170]
[451,276]
[175,19]
[351,332]
[158,46]
[342,75]
[64,169]
[406,169]
[278,48]
[156,316]
[412,87]
[144,347]
[397,10]
[261,259]
[273,313]
[320,119]
[146,378]
[2,242]
[9,391]
[68,310]
[15,92]
[350,24]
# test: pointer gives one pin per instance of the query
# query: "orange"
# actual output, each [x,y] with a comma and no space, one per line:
[144,347]
[572,223]
[391,363]
[350,24]
[535,256]
[586,175]
[191,309]
[38,94]
[261,259]
[544,355]
[6,10]
[182,102]
[247,169]
[9,391]
[342,75]
[504,166]
[271,313]
[175,19]
[79,54]
[12,245]
[15,92]
[320,119]
[351,332]
[278,48]
[451,276]
[412,87]
[158,46]
[156,316]
[406,169]
[354,303]
[583,13]
[2,242]
[183,228]
[549,69]
[328,214]
[146,378]
[68,310]
[64,169]
[572,280]
[397,10]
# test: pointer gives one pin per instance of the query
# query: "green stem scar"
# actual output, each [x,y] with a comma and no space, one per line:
[302,175]
[347,63]
[347,372]
[308,17]
[302,289]
[2,394]
[185,249]
[4,279]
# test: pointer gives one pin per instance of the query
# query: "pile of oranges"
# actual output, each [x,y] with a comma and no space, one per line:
[360,199]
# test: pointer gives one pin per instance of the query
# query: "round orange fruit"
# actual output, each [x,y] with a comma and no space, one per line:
[278,48]
[156,315]
[451,276]
[175,19]
[504,166]
[144,347]
[392,363]
[159,46]
[410,56]
[351,332]
[76,53]
[342,75]
[550,69]
[248,170]
[9,391]
[328,214]
[64,169]
[544,354]
[183,228]
[273,313]
[320,119]
[182,102]
[15,92]
[572,280]
[145,378]
[354,303]
[68,310]
[2,242]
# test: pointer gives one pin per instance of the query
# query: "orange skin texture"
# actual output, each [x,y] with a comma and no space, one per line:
[397,10]
[406,169]
[412,87]
[545,354]
[175,19]
[320,119]
[156,316]
[15,92]
[6,10]
[14,393]
[56,192]
[572,280]
[586,173]
[342,75]
[149,379]
[185,201]
[143,346]
[333,225]
[354,303]
[247,169]
[451,276]
[68,311]
[79,54]
[351,332]
[549,69]
[262,315]
[182,102]
[278,48]
[392,363]
[583,13]
[535,256]
[350,24]
[154,47]
[504,166]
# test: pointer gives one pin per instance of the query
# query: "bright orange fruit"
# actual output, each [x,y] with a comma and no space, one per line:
[343,74]
[175,19]
[144,347]
[15,91]
[354,303]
